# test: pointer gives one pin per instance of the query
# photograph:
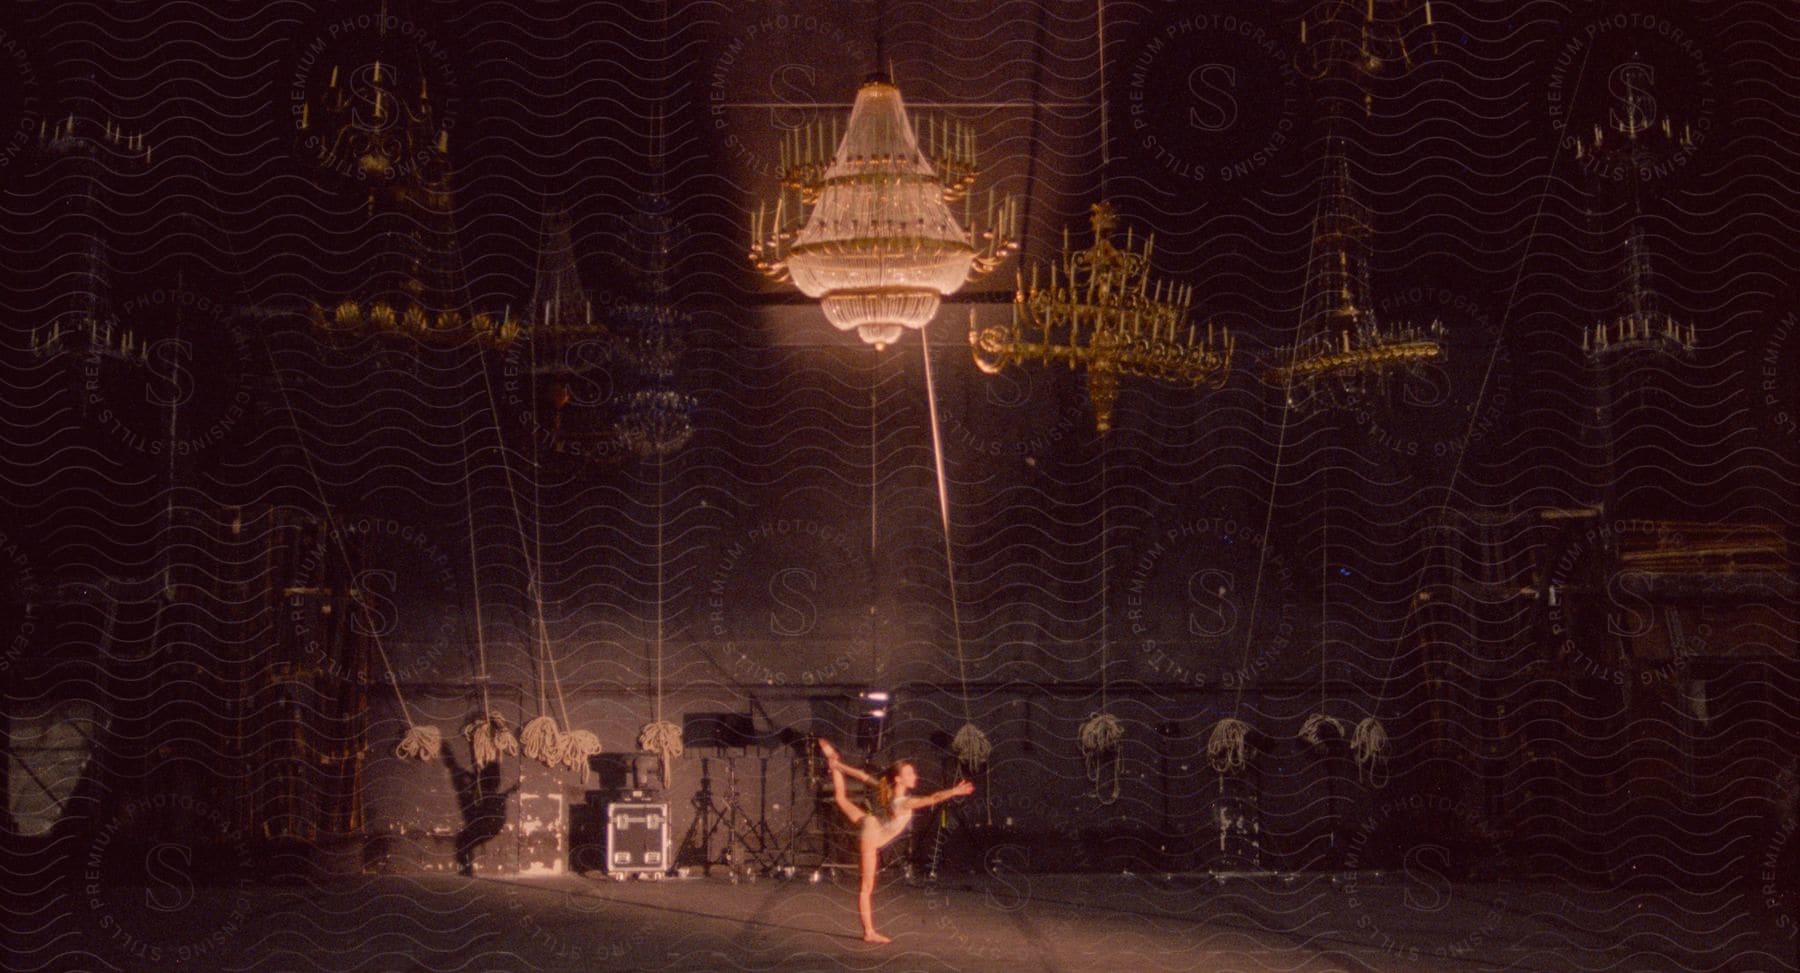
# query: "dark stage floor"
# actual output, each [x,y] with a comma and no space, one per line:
[1104,923]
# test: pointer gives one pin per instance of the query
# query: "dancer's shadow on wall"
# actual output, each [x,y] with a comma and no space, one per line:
[483,805]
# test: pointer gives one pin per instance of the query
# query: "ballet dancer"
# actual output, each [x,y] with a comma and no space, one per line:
[896,806]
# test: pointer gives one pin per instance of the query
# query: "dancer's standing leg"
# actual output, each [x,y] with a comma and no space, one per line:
[870,851]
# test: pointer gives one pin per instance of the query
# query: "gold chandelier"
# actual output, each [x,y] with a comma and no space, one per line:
[1353,358]
[1352,38]
[1345,354]
[378,137]
[371,127]
[1642,326]
[414,320]
[864,224]
[90,329]
[1102,312]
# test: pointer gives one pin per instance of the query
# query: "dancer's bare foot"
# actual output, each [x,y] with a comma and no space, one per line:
[871,936]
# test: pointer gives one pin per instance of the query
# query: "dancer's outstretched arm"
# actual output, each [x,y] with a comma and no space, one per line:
[962,789]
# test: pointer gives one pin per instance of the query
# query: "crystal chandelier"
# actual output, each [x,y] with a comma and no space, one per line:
[871,234]
[1100,311]
[656,421]
[651,335]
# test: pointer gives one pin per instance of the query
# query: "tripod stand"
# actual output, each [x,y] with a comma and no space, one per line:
[748,845]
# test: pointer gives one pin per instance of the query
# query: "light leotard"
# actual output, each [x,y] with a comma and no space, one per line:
[882,830]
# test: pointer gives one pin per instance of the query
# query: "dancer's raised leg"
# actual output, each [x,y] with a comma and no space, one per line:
[851,811]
